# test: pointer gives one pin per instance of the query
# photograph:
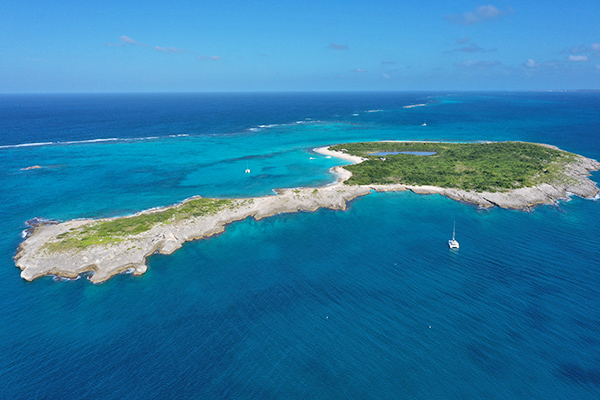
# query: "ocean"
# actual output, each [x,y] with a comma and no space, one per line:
[356,304]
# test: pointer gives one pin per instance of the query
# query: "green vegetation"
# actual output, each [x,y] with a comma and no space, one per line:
[115,230]
[469,166]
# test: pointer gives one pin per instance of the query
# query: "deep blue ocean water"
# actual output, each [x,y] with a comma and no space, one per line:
[366,303]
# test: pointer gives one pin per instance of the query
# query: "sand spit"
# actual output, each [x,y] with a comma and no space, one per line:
[105,260]
[338,154]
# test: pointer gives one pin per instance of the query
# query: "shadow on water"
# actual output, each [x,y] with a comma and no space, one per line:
[577,374]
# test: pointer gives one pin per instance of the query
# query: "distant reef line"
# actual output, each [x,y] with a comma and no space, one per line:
[109,246]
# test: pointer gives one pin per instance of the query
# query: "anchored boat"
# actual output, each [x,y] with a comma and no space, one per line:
[452,243]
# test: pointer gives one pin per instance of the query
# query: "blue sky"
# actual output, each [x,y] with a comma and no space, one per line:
[284,45]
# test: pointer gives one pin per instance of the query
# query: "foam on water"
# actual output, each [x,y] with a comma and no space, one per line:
[74,142]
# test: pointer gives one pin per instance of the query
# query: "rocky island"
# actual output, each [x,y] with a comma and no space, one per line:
[509,175]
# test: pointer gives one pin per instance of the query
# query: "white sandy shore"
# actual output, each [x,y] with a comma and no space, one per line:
[338,154]
[35,260]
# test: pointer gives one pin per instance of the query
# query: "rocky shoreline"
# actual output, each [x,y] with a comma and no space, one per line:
[574,181]
[35,259]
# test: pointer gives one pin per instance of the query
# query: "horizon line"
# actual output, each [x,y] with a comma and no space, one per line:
[299,91]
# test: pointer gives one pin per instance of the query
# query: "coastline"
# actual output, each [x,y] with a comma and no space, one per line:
[104,261]
[574,181]
[130,252]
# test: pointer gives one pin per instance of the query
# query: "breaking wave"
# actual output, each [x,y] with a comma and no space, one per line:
[75,142]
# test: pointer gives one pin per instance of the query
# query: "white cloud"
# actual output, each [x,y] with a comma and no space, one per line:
[575,50]
[209,58]
[488,11]
[531,64]
[125,40]
[578,49]
[128,40]
[573,58]
[553,64]
[172,50]
[483,64]
[480,14]
[335,46]
[472,48]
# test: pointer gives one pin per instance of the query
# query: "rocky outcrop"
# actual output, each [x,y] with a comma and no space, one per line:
[36,259]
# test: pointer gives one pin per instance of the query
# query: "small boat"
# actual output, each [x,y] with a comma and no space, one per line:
[247,170]
[452,243]
[424,124]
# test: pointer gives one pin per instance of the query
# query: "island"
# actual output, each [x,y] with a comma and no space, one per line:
[514,175]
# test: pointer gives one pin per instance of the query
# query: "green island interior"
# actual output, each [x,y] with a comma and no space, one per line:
[492,167]
[113,230]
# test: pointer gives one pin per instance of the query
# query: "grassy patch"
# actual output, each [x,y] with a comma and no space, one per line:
[469,166]
[116,230]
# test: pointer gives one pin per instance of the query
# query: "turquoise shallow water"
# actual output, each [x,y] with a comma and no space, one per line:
[367,303]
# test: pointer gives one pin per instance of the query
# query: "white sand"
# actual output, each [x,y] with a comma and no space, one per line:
[338,154]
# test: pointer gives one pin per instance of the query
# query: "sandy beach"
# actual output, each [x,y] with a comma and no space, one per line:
[338,154]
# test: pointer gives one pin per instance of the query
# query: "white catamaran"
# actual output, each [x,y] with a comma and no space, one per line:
[452,243]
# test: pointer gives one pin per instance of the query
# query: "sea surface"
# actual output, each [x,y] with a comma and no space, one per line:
[367,303]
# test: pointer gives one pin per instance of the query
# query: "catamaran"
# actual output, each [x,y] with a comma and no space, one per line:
[452,243]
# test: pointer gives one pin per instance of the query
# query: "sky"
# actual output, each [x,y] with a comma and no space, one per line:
[291,45]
